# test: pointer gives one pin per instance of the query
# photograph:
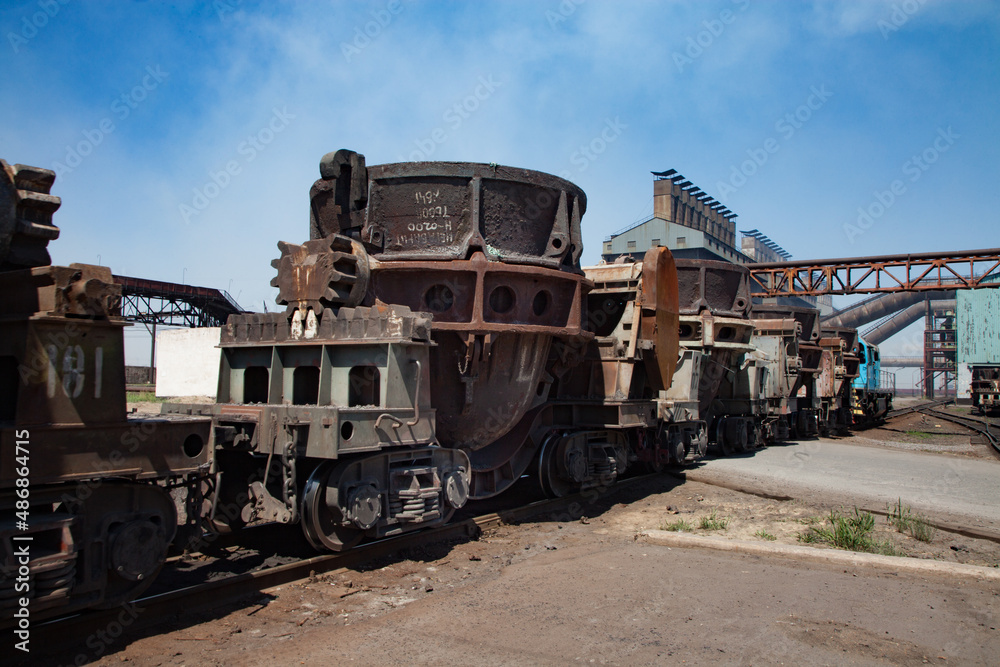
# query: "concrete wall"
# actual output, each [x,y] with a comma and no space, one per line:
[187,362]
[964,382]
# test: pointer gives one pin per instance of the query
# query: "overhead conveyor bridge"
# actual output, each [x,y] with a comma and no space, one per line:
[924,272]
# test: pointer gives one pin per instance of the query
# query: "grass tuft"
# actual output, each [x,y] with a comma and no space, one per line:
[142,397]
[850,531]
[679,525]
[902,518]
[764,535]
[713,522]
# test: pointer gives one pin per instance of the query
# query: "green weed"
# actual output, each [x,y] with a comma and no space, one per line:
[850,531]
[713,522]
[679,525]
[902,518]
[142,397]
[764,535]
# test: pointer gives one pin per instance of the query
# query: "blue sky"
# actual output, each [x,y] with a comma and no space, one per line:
[796,115]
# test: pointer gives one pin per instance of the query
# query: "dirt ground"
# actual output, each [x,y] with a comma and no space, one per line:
[582,587]
[306,619]
[921,432]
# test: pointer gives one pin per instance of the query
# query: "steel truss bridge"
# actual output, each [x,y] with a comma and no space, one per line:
[157,302]
[968,269]
[924,272]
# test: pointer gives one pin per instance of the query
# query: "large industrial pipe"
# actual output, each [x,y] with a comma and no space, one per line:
[874,309]
[903,319]
[902,362]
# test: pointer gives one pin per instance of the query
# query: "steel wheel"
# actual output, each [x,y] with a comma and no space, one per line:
[548,470]
[321,525]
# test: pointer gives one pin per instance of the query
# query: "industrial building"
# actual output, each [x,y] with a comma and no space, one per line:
[693,225]
[977,334]
[688,221]
[696,226]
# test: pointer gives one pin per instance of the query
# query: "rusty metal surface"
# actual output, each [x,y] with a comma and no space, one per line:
[26,209]
[128,448]
[379,323]
[100,505]
[482,296]
[494,324]
[660,297]
[78,290]
[339,197]
[630,367]
[445,210]
[808,318]
[888,273]
[493,253]
[490,252]
[329,272]
[720,287]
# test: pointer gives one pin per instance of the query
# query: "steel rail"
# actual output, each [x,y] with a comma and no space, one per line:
[68,631]
[977,425]
[916,408]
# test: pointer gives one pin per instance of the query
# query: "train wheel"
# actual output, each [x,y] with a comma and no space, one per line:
[552,484]
[732,436]
[751,437]
[322,525]
[652,467]
[136,539]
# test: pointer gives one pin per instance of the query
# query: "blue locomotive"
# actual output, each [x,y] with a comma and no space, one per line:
[873,387]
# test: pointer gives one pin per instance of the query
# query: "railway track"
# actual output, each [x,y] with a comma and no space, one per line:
[917,408]
[983,427]
[67,632]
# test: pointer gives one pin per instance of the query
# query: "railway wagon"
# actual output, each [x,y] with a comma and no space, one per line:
[440,340]
[427,321]
[803,406]
[630,375]
[88,493]
[772,375]
[840,366]
[985,389]
[715,334]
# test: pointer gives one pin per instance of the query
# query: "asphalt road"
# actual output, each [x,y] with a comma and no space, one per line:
[962,489]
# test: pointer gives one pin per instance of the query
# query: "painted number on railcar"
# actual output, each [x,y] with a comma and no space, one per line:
[433,226]
[71,363]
